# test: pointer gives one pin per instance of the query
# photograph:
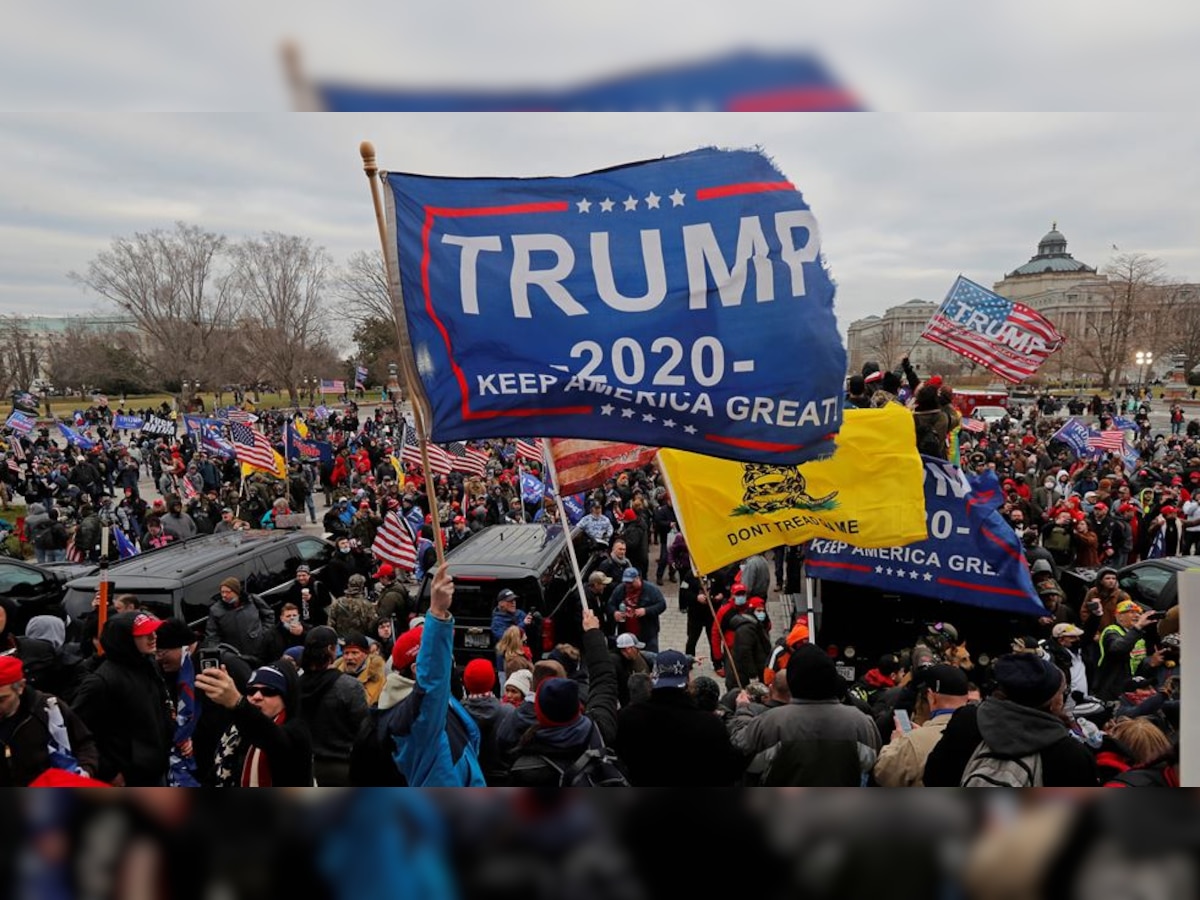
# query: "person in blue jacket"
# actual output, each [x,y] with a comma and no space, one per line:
[427,739]
[506,614]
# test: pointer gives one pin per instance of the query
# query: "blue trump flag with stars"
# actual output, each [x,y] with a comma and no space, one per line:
[532,488]
[971,556]
[682,302]
[83,442]
[1075,434]
[573,505]
[125,547]
[747,81]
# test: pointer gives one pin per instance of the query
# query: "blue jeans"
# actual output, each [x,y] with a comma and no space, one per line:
[55,556]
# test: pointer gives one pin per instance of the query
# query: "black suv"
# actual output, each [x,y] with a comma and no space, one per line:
[530,560]
[183,579]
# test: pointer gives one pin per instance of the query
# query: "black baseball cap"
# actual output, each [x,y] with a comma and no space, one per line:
[945,679]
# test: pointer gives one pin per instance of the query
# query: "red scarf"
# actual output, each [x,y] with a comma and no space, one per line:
[256,771]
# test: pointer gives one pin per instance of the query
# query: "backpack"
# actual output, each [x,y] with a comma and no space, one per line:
[988,769]
[596,767]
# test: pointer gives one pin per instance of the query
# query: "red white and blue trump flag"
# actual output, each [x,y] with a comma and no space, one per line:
[682,302]
[1003,336]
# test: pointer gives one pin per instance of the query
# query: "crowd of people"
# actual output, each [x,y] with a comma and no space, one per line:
[348,679]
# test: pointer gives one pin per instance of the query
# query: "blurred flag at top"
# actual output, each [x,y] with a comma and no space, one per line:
[741,81]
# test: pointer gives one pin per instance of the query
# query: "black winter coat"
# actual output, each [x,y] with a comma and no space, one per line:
[27,756]
[125,705]
[668,741]
[1015,730]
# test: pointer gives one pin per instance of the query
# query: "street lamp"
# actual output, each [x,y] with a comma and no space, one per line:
[1143,358]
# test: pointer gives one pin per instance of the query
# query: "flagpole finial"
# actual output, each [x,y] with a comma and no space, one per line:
[367,151]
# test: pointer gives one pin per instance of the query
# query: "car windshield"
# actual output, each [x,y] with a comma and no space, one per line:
[990,412]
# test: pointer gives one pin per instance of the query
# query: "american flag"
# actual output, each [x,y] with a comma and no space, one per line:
[18,451]
[970,423]
[241,415]
[530,451]
[583,465]
[394,543]
[13,465]
[334,386]
[360,376]
[1111,441]
[189,489]
[439,460]
[467,459]
[1007,338]
[252,447]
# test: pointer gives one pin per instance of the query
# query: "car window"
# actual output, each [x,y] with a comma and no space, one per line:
[315,553]
[17,581]
[272,569]
[199,596]
[1147,582]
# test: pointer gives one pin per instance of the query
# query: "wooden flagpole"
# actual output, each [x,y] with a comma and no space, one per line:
[548,463]
[419,402]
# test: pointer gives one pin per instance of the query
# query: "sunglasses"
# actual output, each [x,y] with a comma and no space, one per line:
[265,691]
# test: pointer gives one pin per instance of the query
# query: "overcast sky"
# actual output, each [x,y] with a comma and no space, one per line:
[905,201]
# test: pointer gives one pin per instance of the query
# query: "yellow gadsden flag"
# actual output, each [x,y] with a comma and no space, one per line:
[870,493]
[280,470]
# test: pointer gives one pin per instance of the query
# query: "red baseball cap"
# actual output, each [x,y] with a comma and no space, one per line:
[1101,506]
[404,653]
[12,670]
[387,570]
[145,624]
[757,603]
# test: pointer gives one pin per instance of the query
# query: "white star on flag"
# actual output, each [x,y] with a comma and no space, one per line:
[627,414]
[606,205]
[668,423]
[652,200]
[648,417]
[584,206]
[677,198]
[928,577]
[879,570]
[630,203]
[690,429]
[606,409]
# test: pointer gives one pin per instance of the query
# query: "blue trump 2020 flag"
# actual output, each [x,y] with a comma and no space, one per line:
[532,488]
[971,556]
[682,302]
[738,82]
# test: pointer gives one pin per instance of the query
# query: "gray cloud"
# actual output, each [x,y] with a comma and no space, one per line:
[905,201]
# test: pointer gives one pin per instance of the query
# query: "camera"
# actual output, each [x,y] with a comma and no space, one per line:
[210,658]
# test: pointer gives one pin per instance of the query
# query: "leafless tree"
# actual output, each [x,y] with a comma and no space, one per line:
[1129,315]
[363,288]
[19,357]
[1183,320]
[883,345]
[170,284]
[281,280]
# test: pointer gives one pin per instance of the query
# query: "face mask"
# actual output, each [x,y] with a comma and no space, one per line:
[1048,484]
[761,616]
[343,549]
[739,600]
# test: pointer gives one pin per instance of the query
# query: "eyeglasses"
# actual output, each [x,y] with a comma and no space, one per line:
[265,691]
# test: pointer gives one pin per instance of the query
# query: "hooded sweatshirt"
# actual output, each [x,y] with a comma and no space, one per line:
[126,706]
[334,705]
[1013,730]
